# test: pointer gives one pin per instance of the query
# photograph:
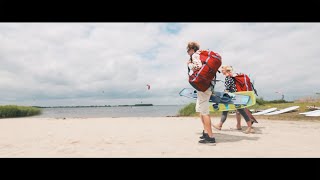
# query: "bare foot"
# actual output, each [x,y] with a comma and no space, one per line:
[216,126]
[249,130]
[238,129]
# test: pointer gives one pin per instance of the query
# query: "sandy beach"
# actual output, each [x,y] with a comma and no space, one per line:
[153,137]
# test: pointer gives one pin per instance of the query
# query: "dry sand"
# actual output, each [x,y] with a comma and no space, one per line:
[153,137]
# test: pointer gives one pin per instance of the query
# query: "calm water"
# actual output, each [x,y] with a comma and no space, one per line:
[95,112]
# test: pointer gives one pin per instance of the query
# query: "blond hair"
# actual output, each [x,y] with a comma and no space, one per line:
[193,45]
[227,68]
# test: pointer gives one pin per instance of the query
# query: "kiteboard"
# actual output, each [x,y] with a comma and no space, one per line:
[221,101]
[265,111]
[283,110]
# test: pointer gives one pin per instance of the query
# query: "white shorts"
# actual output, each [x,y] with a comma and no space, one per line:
[202,105]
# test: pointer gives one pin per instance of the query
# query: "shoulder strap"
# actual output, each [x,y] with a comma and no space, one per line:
[254,89]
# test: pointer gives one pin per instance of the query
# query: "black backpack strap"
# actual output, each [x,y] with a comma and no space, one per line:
[254,89]
[215,79]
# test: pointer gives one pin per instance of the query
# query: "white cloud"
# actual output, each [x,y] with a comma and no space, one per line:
[111,63]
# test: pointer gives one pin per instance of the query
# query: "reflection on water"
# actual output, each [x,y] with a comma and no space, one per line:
[94,112]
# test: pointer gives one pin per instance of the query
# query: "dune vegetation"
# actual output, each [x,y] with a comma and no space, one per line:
[18,111]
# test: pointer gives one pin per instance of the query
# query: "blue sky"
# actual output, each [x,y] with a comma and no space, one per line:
[52,64]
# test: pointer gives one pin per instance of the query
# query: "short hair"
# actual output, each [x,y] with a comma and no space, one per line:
[193,45]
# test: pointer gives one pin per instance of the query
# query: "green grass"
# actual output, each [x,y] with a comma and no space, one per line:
[18,111]
[261,101]
[189,110]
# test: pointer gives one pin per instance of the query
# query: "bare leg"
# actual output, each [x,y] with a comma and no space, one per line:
[207,125]
[223,119]
[250,128]
[247,119]
[201,117]
[249,124]
[238,116]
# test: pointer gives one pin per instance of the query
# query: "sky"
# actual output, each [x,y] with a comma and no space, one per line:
[53,64]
